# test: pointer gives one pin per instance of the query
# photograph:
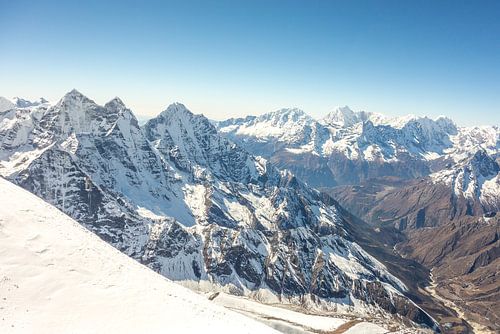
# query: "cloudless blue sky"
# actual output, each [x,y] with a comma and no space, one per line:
[232,58]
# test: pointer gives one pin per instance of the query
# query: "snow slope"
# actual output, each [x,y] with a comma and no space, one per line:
[57,277]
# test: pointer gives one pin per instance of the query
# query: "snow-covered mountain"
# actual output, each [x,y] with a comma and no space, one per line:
[352,148]
[58,277]
[194,206]
[348,147]
[6,104]
[17,102]
[344,117]
[474,178]
[430,187]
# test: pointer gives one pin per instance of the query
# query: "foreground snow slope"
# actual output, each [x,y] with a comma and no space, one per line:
[57,277]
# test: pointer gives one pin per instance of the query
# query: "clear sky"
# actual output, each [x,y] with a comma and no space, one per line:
[232,58]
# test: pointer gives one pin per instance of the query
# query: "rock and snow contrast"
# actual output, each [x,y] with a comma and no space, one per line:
[347,147]
[429,187]
[197,208]
[475,177]
[57,277]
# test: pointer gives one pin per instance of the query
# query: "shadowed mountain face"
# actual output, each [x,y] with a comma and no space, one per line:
[195,206]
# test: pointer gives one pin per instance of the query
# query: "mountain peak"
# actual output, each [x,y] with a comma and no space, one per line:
[175,108]
[446,123]
[6,104]
[290,111]
[73,92]
[75,95]
[345,109]
[116,103]
[24,103]
[343,116]
[284,115]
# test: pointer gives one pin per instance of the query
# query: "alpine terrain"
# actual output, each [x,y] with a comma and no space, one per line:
[430,189]
[198,208]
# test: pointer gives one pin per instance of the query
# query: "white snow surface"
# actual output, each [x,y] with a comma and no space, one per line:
[6,104]
[365,328]
[262,311]
[57,277]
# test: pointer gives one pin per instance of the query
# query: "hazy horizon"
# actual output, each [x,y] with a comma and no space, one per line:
[142,118]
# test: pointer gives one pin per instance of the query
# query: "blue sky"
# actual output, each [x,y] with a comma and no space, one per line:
[232,58]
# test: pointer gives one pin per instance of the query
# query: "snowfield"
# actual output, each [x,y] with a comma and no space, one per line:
[292,321]
[57,277]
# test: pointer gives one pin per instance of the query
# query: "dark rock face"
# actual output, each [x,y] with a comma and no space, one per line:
[308,167]
[193,205]
[337,169]
[398,305]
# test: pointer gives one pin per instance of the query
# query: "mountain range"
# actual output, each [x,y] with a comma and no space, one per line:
[430,187]
[347,147]
[196,207]
[327,215]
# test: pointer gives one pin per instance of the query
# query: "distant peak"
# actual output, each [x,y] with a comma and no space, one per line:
[74,92]
[445,121]
[75,95]
[24,103]
[290,110]
[175,108]
[116,99]
[115,102]
[341,116]
[344,109]
[284,114]
[75,100]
